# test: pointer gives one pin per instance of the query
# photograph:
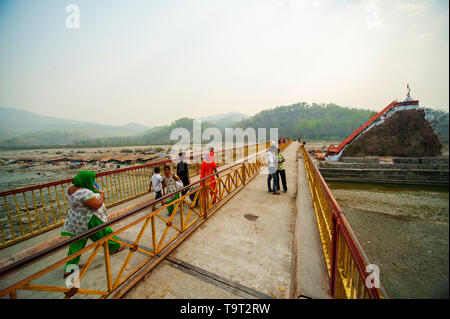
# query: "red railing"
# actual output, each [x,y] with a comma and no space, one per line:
[29,211]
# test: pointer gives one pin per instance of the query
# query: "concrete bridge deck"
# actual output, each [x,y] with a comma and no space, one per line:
[246,250]
[256,246]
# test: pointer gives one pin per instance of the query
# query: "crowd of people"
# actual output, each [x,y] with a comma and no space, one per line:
[87,208]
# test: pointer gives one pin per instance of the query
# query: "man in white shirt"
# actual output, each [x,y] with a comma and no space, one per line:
[272,169]
[157,184]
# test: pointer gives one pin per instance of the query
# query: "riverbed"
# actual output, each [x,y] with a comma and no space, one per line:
[405,231]
[38,172]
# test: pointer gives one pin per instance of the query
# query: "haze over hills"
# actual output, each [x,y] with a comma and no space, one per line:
[16,123]
[22,128]
[316,121]
[225,120]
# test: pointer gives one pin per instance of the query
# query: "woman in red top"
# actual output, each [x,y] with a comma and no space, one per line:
[208,168]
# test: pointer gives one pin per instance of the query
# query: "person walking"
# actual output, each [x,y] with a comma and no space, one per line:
[169,181]
[86,210]
[272,169]
[156,182]
[281,172]
[209,168]
[183,172]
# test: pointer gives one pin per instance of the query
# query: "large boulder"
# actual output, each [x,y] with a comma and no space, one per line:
[404,134]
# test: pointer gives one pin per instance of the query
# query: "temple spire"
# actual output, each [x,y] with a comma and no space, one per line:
[408,95]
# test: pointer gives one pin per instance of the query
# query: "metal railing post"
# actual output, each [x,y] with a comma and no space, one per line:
[203,200]
[334,254]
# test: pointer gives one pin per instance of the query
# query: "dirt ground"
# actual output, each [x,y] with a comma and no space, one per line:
[404,230]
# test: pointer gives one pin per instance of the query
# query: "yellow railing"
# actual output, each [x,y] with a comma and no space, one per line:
[345,258]
[29,211]
[150,235]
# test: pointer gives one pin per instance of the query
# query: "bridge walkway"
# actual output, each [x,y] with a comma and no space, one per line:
[257,245]
[246,249]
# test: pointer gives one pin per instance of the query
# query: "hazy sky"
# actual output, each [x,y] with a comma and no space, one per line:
[152,62]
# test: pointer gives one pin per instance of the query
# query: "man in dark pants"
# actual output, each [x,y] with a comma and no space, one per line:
[183,172]
[281,172]
[272,169]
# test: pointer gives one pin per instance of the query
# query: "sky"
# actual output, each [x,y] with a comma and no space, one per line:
[152,62]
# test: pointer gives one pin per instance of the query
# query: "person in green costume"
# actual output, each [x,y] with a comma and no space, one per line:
[86,210]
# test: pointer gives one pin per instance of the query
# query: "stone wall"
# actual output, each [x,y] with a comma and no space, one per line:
[419,171]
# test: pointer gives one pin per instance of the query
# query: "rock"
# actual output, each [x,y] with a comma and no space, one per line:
[251,217]
[406,133]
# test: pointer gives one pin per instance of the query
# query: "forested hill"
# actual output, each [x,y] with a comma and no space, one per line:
[35,128]
[316,121]
[312,122]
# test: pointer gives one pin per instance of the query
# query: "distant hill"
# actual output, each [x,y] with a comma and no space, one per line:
[312,122]
[22,129]
[153,136]
[44,139]
[329,121]
[19,124]
[225,120]
[316,121]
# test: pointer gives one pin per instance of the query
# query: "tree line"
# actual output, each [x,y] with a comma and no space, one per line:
[316,121]
[312,122]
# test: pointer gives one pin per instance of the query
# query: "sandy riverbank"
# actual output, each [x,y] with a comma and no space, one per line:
[405,231]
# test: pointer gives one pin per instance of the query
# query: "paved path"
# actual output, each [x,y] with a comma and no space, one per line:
[234,254]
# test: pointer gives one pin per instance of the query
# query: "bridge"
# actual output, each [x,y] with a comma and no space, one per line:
[234,241]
